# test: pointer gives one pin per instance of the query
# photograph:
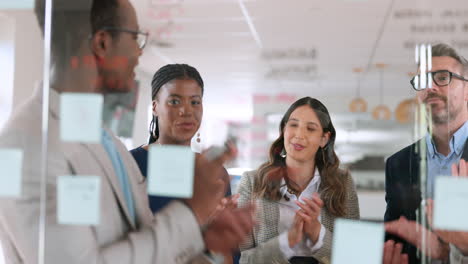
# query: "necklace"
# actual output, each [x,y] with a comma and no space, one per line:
[292,191]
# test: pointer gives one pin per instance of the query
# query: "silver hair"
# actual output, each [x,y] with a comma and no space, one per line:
[444,50]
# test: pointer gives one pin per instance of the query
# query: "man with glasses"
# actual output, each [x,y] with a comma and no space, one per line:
[127,233]
[445,96]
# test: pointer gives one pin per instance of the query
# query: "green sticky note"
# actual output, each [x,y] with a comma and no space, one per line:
[81,117]
[450,200]
[78,200]
[171,171]
[351,237]
[11,162]
[16,4]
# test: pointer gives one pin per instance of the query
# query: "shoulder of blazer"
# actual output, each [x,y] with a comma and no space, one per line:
[465,151]
[348,177]
[246,185]
[249,177]
[407,152]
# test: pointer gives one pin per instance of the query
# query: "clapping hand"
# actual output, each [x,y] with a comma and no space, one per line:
[209,186]
[228,202]
[309,213]
[413,233]
[228,229]
[393,253]
[296,232]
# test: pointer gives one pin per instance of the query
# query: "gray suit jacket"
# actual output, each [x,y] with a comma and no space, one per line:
[263,245]
[171,236]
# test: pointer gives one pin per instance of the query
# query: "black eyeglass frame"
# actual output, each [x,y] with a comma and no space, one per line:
[126,30]
[451,74]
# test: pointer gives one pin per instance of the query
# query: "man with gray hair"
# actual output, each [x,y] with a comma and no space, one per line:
[96,45]
[446,99]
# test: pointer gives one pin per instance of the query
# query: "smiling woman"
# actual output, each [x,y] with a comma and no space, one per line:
[177,97]
[299,191]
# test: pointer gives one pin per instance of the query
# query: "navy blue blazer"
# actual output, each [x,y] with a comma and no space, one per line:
[402,189]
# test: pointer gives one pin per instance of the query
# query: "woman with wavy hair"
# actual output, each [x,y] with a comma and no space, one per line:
[299,192]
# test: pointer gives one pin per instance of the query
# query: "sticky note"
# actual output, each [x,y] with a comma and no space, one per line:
[78,200]
[450,201]
[81,117]
[171,171]
[357,242]
[11,162]
[16,4]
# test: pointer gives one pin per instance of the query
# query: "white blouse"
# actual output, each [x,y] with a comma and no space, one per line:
[287,210]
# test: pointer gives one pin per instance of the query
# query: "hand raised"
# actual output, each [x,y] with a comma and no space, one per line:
[461,170]
[457,238]
[228,229]
[228,202]
[209,185]
[413,233]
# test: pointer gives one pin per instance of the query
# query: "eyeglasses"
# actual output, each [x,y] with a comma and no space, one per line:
[440,78]
[141,37]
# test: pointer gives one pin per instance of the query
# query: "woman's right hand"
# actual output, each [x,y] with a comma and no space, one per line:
[309,213]
[392,253]
[296,231]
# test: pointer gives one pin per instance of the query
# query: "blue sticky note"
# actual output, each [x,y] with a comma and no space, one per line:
[171,171]
[450,200]
[11,162]
[78,200]
[16,4]
[81,117]
[351,237]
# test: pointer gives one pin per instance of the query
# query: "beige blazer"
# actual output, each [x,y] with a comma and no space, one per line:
[263,245]
[171,236]
[456,256]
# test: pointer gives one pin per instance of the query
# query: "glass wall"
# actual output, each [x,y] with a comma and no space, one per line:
[358,106]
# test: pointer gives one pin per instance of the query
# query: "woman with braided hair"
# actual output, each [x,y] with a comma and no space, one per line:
[177,96]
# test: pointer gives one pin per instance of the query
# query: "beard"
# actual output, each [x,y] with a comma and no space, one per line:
[445,115]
